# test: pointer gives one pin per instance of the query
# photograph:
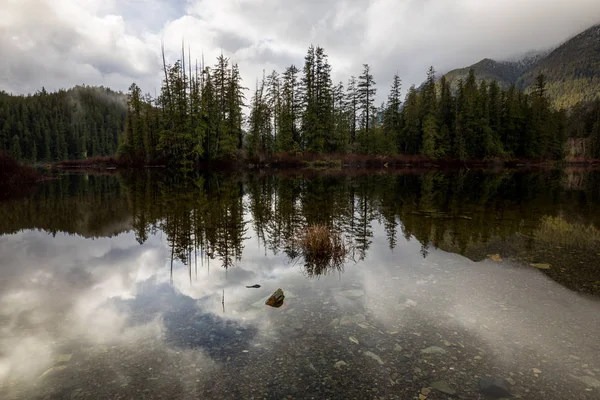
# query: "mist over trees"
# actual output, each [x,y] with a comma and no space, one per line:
[69,124]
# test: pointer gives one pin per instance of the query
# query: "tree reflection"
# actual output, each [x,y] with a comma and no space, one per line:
[210,216]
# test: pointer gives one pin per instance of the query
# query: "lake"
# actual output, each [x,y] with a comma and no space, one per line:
[457,284]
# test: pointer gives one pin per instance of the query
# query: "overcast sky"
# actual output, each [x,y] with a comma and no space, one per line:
[61,43]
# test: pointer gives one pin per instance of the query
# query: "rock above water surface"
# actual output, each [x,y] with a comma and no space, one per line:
[276,299]
[494,387]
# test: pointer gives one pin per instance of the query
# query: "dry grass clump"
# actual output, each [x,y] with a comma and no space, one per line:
[323,249]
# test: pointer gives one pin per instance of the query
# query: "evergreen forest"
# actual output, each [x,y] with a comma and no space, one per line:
[203,114]
[69,124]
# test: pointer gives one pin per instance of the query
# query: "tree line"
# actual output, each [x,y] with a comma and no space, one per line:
[69,124]
[202,114]
[291,113]
[584,122]
[199,116]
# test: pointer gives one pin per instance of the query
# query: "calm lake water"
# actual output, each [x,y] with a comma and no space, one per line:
[134,287]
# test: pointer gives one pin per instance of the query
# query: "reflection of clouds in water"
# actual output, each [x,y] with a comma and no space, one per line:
[73,293]
[55,290]
[510,308]
[58,291]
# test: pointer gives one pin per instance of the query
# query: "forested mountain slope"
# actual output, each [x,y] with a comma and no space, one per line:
[572,70]
[69,124]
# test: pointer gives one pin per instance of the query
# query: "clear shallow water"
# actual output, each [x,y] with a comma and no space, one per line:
[115,287]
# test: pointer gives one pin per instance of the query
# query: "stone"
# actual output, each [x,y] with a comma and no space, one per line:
[433,350]
[537,371]
[344,302]
[398,348]
[374,357]
[426,391]
[444,387]
[276,299]
[511,381]
[354,319]
[588,380]
[340,364]
[335,322]
[352,294]
[541,266]
[495,257]
[494,387]
[63,358]
[353,339]
[422,396]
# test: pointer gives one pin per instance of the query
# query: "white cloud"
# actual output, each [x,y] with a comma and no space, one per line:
[62,43]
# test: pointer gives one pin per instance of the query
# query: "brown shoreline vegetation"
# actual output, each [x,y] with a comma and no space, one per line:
[13,173]
[315,161]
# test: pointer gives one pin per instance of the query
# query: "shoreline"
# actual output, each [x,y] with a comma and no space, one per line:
[332,162]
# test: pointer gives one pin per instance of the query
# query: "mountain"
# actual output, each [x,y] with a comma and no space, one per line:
[63,125]
[505,73]
[572,70]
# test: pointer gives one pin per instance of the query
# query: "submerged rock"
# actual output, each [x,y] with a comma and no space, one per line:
[494,387]
[374,357]
[354,319]
[62,358]
[340,364]
[444,387]
[433,350]
[541,266]
[352,294]
[588,380]
[276,299]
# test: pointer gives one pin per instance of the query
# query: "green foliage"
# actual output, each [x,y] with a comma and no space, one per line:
[69,124]
[571,71]
[197,117]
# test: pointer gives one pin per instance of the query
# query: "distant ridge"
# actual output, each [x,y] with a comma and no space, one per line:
[572,70]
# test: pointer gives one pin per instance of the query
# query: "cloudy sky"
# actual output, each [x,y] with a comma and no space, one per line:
[61,43]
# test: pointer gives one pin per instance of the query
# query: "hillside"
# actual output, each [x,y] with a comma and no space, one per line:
[572,70]
[505,73]
[68,124]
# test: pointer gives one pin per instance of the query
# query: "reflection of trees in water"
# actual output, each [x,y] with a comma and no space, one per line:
[202,217]
[207,218]
[82,204]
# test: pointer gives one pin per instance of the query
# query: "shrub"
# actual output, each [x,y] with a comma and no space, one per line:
[323,250]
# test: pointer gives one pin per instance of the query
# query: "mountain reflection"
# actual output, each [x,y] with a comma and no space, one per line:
[546,217]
